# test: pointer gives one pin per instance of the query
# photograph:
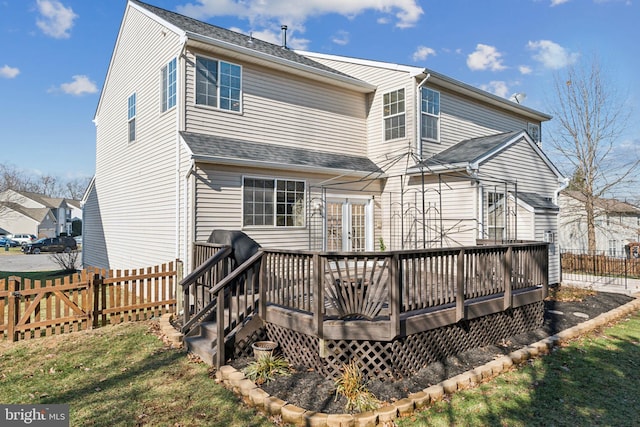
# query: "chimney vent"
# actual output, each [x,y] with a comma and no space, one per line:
[284,36]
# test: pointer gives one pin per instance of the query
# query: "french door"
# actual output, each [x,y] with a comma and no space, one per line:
[348,225]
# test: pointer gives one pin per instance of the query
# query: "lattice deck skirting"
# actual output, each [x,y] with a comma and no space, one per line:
[405,355]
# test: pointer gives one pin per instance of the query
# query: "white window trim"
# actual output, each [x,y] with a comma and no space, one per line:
[275,204]
[217,108]
[162,86]
[438,116]
[132,118]
[404,113]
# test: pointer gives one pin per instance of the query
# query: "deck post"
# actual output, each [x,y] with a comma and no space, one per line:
[460,286]
[220,356]
[395,305]
[318,295]
[507,275]
[262,289]
[545,271]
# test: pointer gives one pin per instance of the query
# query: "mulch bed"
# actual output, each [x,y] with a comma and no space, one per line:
[311,391]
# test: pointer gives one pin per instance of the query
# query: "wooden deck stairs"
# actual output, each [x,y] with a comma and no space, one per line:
[214,284]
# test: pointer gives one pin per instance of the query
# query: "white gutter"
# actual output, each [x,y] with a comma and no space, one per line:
[419,115]
[281,166]
[564,183]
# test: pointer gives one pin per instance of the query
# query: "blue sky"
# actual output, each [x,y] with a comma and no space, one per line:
[54,54]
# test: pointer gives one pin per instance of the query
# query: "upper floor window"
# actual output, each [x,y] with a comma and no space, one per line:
[273,202]
[169,85]
[393,112]
[430,108]
[131,117]
[534,132]
[218,84]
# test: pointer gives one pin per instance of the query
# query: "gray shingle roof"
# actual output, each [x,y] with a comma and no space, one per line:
[218,148]
[537,201]
[194,26]
[470,150]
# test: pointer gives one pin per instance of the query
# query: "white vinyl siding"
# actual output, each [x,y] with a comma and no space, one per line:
[284,110]
[219,206]
[520,164]
[135,184]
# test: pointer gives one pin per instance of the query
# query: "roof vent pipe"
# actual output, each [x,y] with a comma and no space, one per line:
[284,36]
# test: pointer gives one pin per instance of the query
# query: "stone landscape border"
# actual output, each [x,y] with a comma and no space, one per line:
[236,381]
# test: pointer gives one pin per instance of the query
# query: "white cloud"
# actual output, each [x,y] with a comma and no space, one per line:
[551,54]
[558,2]
[260,12]
[525,69]
[9,72]
[422,53]
[80,85]
[341,38]
[485,57]
[497,87]
[55,19]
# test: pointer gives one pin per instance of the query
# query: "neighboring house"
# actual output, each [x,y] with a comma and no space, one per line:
[617,224]
[202,128]
[33,213]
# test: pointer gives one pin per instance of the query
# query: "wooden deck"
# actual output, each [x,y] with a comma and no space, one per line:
[313,298]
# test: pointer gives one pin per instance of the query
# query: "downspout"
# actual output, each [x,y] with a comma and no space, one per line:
[180,75]
[419,116]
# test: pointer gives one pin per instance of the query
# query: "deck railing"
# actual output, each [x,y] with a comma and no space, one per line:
[375,286]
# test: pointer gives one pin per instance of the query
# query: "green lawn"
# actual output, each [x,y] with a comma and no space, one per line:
[35,275]
[124,375]
[118,376]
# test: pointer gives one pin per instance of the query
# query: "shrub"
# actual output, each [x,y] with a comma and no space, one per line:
[266,368]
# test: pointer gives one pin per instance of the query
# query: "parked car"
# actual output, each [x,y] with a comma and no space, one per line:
[51,244]
[5,241]
[23,239]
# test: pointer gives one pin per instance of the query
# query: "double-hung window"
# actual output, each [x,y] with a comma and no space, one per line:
[218,84]
[430,120]
[393,112]
[273,202]
[131,117]
[169,73]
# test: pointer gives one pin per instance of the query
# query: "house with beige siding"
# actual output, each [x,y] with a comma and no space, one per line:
[200,128]
[33,213]
[617,224]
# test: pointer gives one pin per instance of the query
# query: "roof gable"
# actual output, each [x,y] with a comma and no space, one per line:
[470,154]
[245,44]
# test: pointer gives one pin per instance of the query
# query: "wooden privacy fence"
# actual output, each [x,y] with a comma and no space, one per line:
[89,299]
[599,265]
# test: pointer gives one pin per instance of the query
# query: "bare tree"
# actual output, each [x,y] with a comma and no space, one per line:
[590,118]
[12,178]
[76,187]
